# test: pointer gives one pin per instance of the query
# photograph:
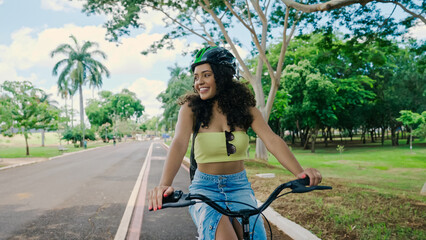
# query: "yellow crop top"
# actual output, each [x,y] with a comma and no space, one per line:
[211,147]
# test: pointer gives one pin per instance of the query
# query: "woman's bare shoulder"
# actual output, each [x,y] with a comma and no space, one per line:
[186,109]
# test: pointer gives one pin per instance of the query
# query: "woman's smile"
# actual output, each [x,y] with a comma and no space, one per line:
[204,81]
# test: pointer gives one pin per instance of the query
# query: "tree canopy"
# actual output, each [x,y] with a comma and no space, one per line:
[23,109]
[113,107]
[262,22]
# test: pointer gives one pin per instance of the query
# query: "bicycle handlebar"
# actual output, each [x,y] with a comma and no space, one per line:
[179,199]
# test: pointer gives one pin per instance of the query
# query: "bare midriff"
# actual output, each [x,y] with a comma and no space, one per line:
[222,168]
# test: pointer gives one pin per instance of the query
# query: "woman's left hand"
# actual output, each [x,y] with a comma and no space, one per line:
[313,174]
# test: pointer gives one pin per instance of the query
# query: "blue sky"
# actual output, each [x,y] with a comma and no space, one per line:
[31,29]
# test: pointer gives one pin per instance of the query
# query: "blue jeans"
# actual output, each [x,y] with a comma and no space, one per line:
[233,187]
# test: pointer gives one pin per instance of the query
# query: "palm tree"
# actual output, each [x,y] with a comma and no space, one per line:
[66,89]
[80,66]
[46,98]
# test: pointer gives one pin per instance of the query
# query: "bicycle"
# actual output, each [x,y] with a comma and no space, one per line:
[180,199]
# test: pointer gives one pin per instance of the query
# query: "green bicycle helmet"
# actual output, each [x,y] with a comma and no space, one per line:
[215,55]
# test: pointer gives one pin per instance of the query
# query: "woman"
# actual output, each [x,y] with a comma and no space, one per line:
[226,109]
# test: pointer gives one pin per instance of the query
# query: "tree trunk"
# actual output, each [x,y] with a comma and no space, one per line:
[330,134]
[308,136]
[411,138]
[80,89]
[394,136]
[372,135]
[325,133]
[383,136]
[26,144]
[261,152]
[66,112]
[364,130]
[397,138]
[72,111]
[314,138]
[304,137]
[42,137]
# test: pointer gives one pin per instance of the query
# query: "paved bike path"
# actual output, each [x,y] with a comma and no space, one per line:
[172,223]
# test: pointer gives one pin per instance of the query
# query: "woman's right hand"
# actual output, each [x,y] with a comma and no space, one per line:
[156,196]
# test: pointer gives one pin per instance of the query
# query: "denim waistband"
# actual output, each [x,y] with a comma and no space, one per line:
[216,178]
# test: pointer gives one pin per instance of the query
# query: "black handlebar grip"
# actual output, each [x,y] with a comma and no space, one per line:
[182,203]
[174,197]
[303,181]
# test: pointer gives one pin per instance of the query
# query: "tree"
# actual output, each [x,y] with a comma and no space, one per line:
[353,95]
[421,130]
[212,21]
[97,113]
[312,97]
[408,6]
[48,124]
[26,109]
[118,110]
[81,67]
[180,83]
[124,105]
[66,89]
[412,120]
[374,79]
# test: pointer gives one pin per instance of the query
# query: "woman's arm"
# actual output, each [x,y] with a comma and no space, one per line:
[276,145]
[174,158]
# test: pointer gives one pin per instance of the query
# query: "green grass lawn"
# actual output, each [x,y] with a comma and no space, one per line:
[385,169]
[34,139]
[376,191]
[15,147]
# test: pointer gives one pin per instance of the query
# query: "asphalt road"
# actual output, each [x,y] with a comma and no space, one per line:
[78,196]
[85,195]
[170,223]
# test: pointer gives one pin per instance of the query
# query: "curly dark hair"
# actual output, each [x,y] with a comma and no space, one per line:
[234,100]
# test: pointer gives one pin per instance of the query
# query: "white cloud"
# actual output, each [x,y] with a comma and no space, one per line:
[27,50]
[418,31]
[1,2]
[61,5]
[8,69]
[148,90]
[151,19]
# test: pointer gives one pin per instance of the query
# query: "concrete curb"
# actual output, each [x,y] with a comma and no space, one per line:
[290,228]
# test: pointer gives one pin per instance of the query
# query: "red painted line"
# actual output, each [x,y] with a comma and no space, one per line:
[137,218]
[135,227]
